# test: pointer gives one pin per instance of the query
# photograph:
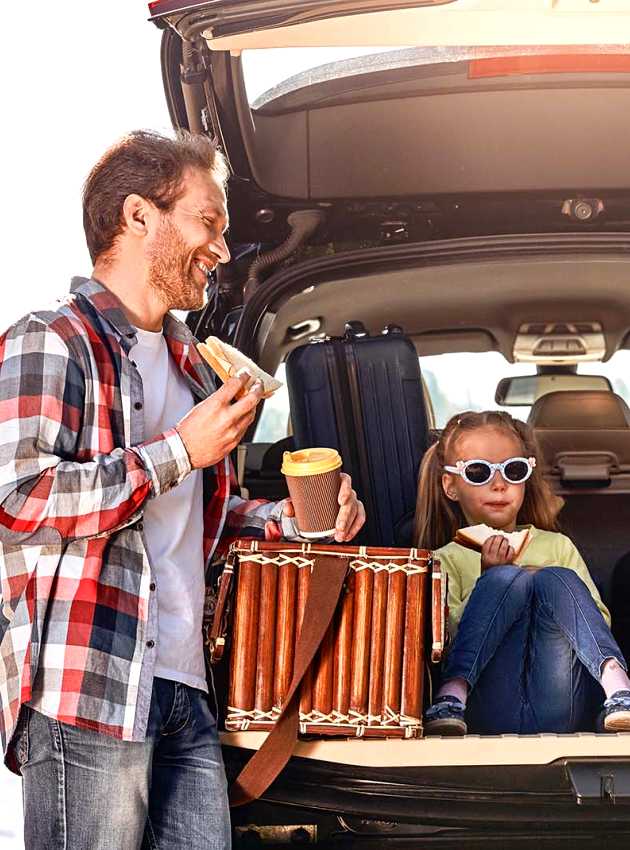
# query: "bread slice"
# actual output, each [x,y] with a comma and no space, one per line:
[226,362]
[474,536]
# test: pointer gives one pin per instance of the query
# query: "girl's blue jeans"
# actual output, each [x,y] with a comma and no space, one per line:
[531,645]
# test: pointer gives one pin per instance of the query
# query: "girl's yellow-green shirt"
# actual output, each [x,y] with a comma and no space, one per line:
[545,549]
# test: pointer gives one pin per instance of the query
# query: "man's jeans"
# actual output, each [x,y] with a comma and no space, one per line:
[88,791]
[531,645]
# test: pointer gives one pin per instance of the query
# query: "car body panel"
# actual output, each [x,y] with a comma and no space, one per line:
[264,23]
[235,17]
[506,796]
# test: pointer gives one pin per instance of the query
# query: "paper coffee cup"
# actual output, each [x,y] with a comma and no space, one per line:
[313,479]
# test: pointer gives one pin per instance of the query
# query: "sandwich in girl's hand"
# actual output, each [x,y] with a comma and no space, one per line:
[227,362]
[474,536]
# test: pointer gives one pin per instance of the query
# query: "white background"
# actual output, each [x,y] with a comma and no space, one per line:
[75,77]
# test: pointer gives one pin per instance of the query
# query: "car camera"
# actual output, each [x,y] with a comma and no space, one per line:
[583,209]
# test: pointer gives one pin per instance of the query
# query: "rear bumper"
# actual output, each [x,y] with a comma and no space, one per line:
[504,783]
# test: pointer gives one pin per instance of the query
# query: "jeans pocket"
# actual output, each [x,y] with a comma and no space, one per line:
[21,739]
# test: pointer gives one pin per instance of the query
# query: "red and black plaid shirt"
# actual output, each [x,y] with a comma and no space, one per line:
[78,619]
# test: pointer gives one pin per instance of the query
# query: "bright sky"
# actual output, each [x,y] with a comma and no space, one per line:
[76,76]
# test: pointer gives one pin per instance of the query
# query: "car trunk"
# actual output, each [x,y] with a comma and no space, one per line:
[447,780]
[468,176]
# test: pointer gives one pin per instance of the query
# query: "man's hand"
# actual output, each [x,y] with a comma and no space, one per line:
[351,516]
[216,425]
[495,552]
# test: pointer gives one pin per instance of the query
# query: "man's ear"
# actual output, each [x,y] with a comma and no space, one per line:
[449,487]
[138,214]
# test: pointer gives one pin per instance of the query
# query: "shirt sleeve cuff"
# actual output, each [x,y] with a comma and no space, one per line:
[290,531]
[166,460]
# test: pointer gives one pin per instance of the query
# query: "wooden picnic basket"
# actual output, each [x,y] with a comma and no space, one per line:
[332,636]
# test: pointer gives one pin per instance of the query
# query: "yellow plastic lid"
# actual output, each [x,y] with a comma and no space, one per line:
[310,462]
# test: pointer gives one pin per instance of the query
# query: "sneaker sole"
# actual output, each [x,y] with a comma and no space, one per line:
[618,721]
[447,726]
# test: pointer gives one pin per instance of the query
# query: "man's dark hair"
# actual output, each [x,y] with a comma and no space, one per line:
[146,164]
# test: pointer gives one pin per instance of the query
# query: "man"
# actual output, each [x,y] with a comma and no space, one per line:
[114,494]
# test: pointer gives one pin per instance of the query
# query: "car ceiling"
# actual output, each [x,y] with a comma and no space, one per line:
[459,307]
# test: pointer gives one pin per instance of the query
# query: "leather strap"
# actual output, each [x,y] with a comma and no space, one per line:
[325,587]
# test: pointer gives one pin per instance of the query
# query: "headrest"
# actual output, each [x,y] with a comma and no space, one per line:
[580,410]
[272,459]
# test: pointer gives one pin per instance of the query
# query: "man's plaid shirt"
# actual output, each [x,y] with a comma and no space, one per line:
[78,618]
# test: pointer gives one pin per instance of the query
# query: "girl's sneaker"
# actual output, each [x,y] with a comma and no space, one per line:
[615,714]
[445,717]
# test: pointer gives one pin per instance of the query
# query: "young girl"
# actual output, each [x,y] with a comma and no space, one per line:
[532,646]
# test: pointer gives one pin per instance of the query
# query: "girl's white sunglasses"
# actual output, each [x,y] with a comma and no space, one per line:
[515,470]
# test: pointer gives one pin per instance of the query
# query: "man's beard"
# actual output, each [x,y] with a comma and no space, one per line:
[171,270]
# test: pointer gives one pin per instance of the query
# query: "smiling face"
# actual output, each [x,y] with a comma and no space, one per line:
[189,242]
[496,503]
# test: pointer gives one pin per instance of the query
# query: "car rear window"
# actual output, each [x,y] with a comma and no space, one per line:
[455,382]
[272,72]
[468,380]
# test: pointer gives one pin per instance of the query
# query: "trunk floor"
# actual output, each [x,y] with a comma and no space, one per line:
[471,750]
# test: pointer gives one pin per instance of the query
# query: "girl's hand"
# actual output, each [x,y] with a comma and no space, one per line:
[495,552]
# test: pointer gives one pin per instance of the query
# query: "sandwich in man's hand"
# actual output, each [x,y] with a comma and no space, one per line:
[474,536]
[227,361]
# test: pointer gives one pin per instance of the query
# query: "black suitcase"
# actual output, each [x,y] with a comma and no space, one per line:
[363,396]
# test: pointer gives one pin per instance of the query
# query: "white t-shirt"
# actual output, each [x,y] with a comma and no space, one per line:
[173,524]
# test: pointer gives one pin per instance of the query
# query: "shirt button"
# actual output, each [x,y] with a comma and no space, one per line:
[152,586]
[150,644]
[138,405]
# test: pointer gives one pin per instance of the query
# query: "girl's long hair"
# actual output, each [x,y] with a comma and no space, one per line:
[438,517]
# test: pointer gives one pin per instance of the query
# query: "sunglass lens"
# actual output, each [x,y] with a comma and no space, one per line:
[516,471]
[478,473]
